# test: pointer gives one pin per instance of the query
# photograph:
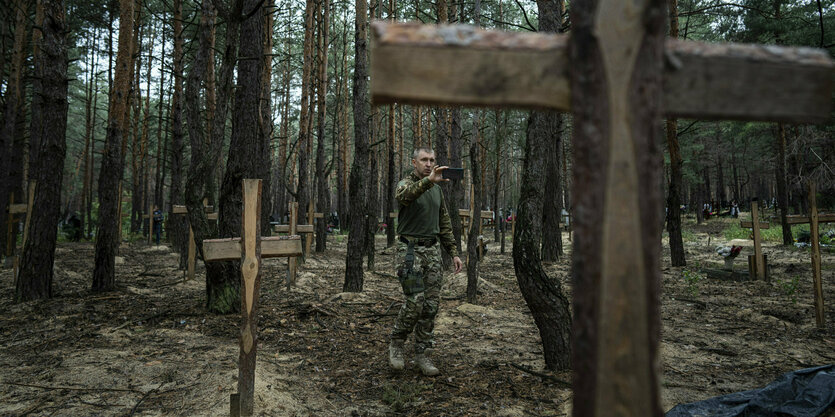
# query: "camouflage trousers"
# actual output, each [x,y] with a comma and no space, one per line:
[419,310]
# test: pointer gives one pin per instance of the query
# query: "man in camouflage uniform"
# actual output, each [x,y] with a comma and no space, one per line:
[422,220]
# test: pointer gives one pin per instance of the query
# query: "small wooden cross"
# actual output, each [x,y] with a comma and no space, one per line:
[192,246]
[293,228]
[813,219]
[757,263]
[616,300]
[250,249]
[22,209]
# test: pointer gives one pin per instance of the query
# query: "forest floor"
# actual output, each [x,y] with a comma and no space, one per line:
[149,348]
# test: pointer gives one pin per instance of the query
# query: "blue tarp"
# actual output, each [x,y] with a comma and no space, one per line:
[804,393]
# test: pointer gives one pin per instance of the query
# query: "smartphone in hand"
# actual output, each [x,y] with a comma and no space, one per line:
[453,173]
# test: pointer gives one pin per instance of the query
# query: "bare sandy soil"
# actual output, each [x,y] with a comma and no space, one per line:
[150,349]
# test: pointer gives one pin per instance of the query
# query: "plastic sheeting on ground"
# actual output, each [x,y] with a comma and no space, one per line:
[804,393]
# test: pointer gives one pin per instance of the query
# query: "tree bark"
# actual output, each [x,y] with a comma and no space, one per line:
[302,192]
[475,221]
[677,257]
[36,266]
[177,225]
[113,160]
[13,102]
[357,191]
[247,144]
[782,190]
[543,295]
[322,190]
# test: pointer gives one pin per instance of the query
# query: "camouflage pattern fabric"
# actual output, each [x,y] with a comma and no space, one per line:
[419,309]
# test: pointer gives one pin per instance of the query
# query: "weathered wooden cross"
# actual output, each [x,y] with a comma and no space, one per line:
[294,228]
[756,263]
[192,247]
[610,73]
[250,249]
[813,219]
[19,209]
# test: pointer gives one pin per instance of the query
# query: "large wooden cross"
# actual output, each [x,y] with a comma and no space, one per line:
[813,219]
[610,74]
[250,249]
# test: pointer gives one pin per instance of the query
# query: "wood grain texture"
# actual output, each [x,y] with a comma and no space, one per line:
[817,282]
[250,257]
[178,209]
[822,218]
[749,225]
[300,229]
[459,64]
[758,252]
[18,209]
[229,249]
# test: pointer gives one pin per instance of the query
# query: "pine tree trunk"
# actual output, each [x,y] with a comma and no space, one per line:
[222,285]
[302,189]
[322,190]
[782,190]
[177,225]
[543,295]
[247,144]
[13,101]
[677,257]
[112,164]
[36,265]
[357,191]
[475,221]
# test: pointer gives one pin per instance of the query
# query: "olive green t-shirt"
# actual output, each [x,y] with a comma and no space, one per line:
[422,212]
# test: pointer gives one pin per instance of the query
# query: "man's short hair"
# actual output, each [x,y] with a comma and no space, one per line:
[421,149]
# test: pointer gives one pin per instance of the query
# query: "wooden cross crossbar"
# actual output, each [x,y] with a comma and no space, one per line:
[813,220]
[446,64]
[485,214]
[19,209]
[250,249]
[192,246]
[615,346]
[822,218]
[750,225]
[300,228]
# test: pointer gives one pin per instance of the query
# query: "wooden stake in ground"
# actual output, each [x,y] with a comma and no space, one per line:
[619,48]
[250,248]
[814,219]
[293,228]
[757,263]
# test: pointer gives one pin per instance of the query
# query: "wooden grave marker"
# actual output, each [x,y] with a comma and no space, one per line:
[293,229]
[757,263]
[21,209]
[192,247]
[250,249]
[616,298]
[813,220]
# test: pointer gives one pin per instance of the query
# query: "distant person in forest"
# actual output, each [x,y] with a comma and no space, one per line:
[422,221]
[734,209]
[158,218]
[73,228]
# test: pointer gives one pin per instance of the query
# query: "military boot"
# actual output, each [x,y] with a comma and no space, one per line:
[425,365]
[396,355]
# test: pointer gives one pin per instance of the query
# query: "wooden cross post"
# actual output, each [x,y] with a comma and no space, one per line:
[22,209]
[310,219]
[294,228]
[814,219]
[466,214]
[250,249]
[756,263]
[613,76]
[192,247]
